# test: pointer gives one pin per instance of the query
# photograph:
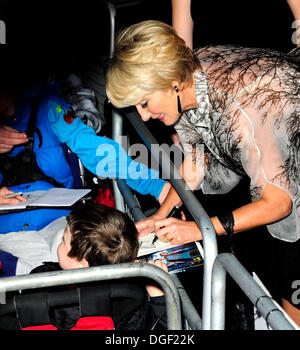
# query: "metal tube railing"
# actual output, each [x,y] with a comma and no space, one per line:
[112,16]
[112,6]
[117,131]
[227,262]
[193,205]
[131,202]
[189,311]
[108,272]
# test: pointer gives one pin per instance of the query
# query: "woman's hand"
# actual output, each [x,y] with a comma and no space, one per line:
[147,226]
[168,199]
[5,191]
[177,231]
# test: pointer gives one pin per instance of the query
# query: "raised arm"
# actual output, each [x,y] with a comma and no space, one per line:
[101,155]
[182,20]
[295,8]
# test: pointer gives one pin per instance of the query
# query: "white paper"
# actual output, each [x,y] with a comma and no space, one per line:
[147,247]
[55,197]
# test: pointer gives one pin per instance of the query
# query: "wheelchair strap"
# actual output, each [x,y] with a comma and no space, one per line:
[98,305]
[32,309]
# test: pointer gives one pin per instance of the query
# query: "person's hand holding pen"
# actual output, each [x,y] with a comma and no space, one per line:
[176,231]
[10,197]
[175,213]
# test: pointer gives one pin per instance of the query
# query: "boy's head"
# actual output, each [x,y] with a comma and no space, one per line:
[97,235]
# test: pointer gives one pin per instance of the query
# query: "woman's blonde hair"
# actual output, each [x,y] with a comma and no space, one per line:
[148,57]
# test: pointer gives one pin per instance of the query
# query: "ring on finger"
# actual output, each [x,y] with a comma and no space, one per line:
[165,239]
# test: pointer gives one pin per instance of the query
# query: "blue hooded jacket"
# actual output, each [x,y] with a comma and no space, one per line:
[100,155]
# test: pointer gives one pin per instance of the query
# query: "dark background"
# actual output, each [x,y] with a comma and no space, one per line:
[49,36]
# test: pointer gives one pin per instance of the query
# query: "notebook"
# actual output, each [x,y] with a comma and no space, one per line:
[54,197]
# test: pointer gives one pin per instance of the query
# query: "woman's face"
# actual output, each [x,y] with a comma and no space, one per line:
[160,105]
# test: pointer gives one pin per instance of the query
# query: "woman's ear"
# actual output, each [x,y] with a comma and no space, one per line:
[176,85]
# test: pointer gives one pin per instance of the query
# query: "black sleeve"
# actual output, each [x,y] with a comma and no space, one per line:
[151,316]
[159,308]
[47,267]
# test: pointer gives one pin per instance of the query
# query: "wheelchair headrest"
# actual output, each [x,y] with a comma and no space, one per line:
[114,299]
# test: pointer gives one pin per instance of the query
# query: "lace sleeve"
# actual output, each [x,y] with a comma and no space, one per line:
[255,106]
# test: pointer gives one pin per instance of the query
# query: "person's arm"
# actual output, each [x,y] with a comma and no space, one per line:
[295,8]
[192,176]
[154,290]
[164,192]
[103,156]
[182,20]
[10,137]
[274,205]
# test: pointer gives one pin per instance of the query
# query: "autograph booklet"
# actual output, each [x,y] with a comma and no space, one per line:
[178,258]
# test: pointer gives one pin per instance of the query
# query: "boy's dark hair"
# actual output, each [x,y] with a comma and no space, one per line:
[102,235]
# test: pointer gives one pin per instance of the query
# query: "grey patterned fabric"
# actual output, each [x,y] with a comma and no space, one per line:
[247,123]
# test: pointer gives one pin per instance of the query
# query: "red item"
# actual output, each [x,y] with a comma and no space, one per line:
[105,197]
[69,117]
[84,323]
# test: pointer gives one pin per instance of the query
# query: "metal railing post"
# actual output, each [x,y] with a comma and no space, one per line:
[131,202]
[117,131]
[102,273]
[194,207]
[218,295]
[189,311]
[112,16]
[269,310]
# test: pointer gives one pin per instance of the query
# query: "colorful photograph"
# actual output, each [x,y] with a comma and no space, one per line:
[179,258]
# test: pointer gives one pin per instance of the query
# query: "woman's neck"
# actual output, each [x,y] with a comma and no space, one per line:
[188,97]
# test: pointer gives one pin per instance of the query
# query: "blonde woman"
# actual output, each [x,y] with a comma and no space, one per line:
[236,111]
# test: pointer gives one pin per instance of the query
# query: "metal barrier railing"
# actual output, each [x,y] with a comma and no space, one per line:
[112,6]
[102,273]
[187,197]
[131,202]
[227,262]
[191,317]
[189,312]
[117,132]
[214,271]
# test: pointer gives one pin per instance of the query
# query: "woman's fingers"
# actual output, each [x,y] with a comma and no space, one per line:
[145,227]
[177,231]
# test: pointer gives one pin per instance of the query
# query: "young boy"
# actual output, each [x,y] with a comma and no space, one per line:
[98,235]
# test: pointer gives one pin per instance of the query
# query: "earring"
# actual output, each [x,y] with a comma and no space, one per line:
[178,100]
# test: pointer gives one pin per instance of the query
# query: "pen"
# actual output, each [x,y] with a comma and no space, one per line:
[173,212]
[15,194]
